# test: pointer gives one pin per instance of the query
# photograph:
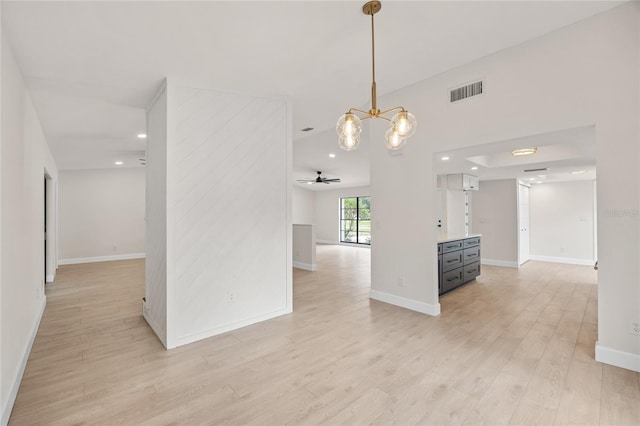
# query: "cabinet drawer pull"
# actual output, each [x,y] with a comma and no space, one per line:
[453,279]
[453,260]
[472,255]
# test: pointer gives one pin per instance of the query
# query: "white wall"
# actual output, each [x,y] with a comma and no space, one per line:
[495,216]
[303,205]
[455,212]
[561,222]
[304,247]
[580,75]
[155,307]
[327,214]
[101,214]
[228,247]
[25,157]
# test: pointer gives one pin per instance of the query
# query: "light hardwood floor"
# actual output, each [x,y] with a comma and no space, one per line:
[514,347]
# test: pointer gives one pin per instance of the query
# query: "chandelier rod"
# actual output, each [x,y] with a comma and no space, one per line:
[374,106]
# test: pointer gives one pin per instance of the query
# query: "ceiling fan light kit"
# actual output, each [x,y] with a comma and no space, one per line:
[402,125]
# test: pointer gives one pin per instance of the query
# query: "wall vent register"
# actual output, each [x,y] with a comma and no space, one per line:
[465,92]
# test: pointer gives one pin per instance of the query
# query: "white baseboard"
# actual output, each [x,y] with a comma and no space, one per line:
[567,260]
[13,393]
[326,242]
[50,278]
[617,358]
[101,258]
[305,266]
[495,262]
[403,302]
[185,340]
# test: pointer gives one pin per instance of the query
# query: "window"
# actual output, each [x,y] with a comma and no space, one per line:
[355,220]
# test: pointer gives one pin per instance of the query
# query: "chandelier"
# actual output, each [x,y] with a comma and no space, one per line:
[401,126]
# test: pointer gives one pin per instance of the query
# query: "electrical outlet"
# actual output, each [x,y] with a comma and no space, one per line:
[231,296]
[635,327]
[401,282]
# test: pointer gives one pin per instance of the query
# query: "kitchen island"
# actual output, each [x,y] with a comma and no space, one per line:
[458,260]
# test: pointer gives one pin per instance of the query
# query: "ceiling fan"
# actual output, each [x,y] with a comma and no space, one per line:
[319,179]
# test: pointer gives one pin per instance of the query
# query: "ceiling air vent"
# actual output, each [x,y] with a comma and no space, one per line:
[535,170]
[467,91]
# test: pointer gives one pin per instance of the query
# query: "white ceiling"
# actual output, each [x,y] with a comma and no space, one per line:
[92,67]
[561,152]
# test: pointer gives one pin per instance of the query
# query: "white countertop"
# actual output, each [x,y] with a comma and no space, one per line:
[445,238]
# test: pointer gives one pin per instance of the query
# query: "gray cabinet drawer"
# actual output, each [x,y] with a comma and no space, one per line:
[451,246]
[471,271]
[472,242]
[471,255]
[452,279]
[452,260]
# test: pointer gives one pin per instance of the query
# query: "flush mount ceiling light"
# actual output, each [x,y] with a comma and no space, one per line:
[401,126]
[524,151]
[578,172]
[445,158]
[118,163]
[474,168]
[142,136]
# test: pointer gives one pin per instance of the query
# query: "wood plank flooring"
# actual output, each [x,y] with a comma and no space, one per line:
[514,347]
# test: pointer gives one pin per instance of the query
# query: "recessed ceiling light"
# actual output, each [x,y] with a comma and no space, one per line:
[142,135]
[445,158]
[532,178]
[309,183]
[539,181]
[474,168]
[118,163]
[332,156]
[306,129]
[578,172]
[524,151]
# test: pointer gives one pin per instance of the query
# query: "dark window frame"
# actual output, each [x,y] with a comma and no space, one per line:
[357,209]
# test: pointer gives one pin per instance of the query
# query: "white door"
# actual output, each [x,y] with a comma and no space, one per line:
[523,224]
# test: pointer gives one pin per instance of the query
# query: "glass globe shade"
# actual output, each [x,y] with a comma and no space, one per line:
[393,140]
[349,142]
[405,124]
[349,124]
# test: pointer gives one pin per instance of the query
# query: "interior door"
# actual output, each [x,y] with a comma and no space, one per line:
[523,224]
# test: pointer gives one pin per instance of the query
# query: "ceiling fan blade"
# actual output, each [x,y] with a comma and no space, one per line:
[306,180]
[332,180]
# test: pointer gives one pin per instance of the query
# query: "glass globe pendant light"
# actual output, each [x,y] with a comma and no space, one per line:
[401,126]
[404,124]
[393,140]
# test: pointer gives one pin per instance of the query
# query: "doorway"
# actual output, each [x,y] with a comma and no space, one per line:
[524,239]
[49,227]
